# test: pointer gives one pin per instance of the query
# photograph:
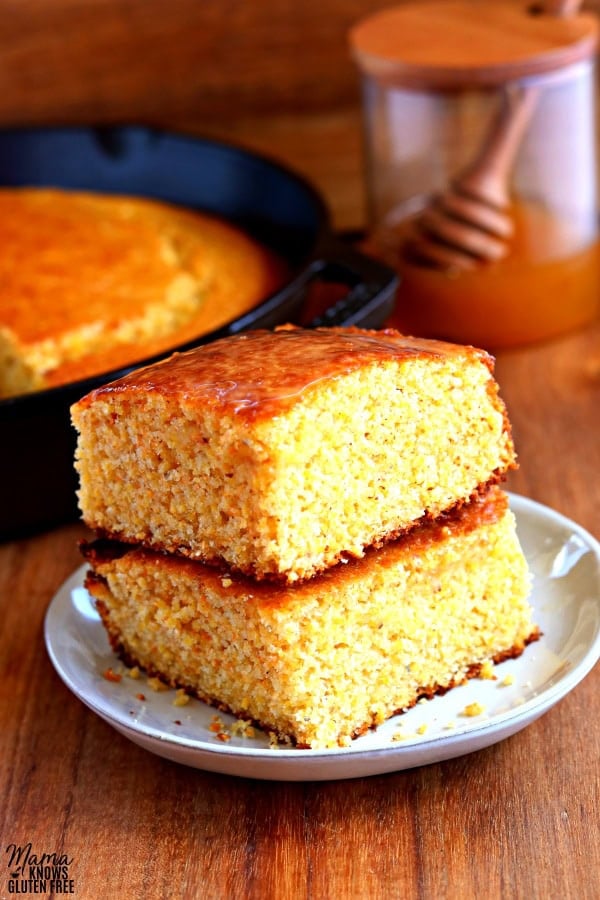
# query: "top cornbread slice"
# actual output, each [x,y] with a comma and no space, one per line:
[280,453]
[91,282]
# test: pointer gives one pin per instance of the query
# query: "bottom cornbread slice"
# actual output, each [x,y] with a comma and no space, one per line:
[322,661]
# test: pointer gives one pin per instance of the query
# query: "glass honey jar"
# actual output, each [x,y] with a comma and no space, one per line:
[481,166]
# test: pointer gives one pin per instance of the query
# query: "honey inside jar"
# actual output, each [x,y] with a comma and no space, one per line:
[548,284]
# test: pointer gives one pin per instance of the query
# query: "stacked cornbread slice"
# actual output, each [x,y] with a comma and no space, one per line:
[304,526]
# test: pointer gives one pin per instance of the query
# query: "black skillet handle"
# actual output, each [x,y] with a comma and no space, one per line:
[372,287]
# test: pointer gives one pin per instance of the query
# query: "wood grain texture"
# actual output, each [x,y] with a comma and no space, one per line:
[121,58]
[427,44]
[275,77]
[553,393]
[518,820]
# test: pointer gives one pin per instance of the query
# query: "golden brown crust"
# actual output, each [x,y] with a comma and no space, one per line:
[277,366]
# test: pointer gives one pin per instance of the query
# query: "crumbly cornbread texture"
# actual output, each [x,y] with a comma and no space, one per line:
[91,282]
[282,452]
[323,661]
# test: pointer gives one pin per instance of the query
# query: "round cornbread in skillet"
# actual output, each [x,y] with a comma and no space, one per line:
[91,282]
[281,453]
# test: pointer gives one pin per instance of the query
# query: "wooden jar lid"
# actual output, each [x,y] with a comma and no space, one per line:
[450,44]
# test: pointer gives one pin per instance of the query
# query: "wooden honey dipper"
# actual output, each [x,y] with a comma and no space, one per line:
[471,222]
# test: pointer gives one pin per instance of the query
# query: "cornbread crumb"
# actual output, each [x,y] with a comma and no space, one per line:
[134,673]
[110,675]
[422,729]
[487,670]
[508,680]
[242,728]
[473,709]
[157,684]
[216,724]
[450,725]
[181,698]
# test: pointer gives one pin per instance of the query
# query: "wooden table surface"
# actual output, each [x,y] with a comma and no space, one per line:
[520,819]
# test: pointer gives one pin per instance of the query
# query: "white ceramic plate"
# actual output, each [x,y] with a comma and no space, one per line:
[565,561]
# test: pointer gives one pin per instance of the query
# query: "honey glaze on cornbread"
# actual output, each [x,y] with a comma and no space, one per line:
[253,375]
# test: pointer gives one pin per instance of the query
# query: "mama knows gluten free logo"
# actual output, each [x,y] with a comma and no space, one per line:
[38,873]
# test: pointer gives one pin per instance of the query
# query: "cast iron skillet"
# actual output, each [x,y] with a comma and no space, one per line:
[37,442]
